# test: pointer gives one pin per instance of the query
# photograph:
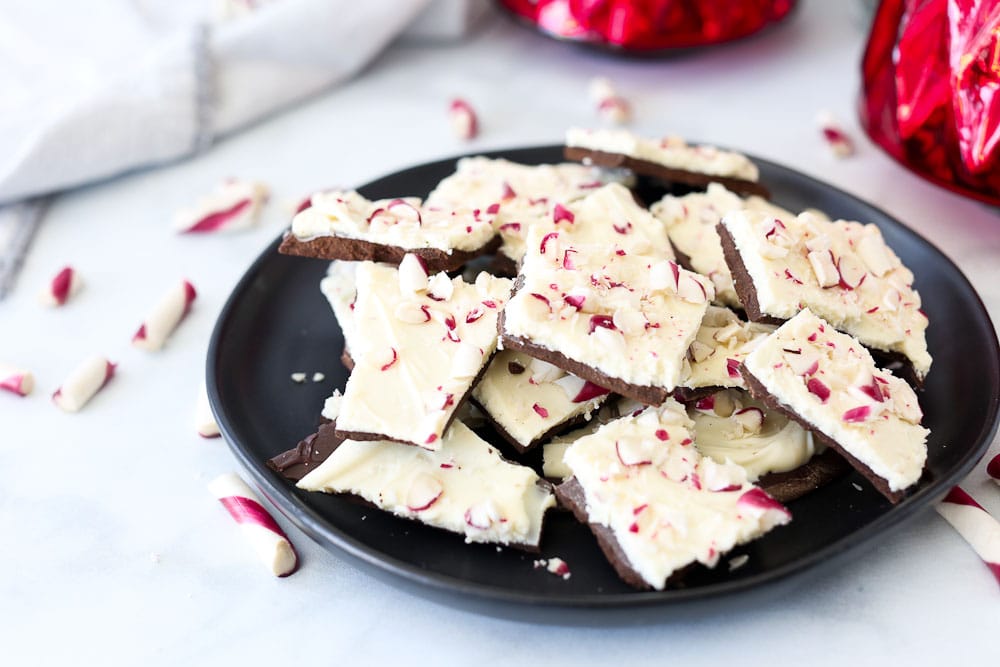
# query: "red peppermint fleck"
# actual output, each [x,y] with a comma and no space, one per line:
[545,241]
[540,411]
[431,438]
[603,321]
[622,229]
[758,499]
[560,213]
[706,403]
[473,315]
[493,209]
[858,414]
[568,259]
[733,368]
[395,357]
[636,511]
[543,299]
[634,528]
[788,274]
[820,390]
[510,227]
[489,303]
[661,434]
[575,300]
[589,391]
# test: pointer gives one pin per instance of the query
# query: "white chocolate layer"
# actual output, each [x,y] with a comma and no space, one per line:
[721,344]
[272,548]
[340,289]
[843,271]
[528,398]
[165,316]
[403,223]
[671,152]
[691,221]
[464,487]
[233,205]
[424,348]
[83,383]
[731,426]
[830,380]
[523,194]
[628,316]
[666,504]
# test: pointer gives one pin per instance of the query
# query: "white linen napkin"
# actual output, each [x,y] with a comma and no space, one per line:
[91,89]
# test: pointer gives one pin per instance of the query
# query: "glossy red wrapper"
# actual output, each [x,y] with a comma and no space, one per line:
[650,25]
[931,91]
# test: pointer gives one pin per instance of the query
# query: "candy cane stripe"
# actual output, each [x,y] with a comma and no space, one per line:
[975,524]
[258,526]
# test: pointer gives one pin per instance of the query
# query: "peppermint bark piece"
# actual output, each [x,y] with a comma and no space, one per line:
[655,503]
[691,220]
[341,291]
[528,400]
[622,321]
[465,487]
[715,355]
[522,195]
[345,225]
[668,159]
[827,381]
[420,345]
[843,271]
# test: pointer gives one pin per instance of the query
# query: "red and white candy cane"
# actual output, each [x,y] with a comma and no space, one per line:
[165,317]
[838,141]
[993,469]
[975,524]
[233,205]
[464,122]
[204,420]
[16,380]
[611,106]
[261,531]
[64,285]
[83,383]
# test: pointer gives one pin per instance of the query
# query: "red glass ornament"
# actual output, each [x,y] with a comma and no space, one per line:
[650,25]
[931,91]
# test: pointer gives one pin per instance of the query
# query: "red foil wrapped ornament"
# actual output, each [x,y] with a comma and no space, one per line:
[931,91]
[650,25]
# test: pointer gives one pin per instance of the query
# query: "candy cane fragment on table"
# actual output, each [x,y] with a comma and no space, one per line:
[16,380]
[234,205]
[83,383]
[833,133]
[269,542]
[611,106]
[975,524]
[464,122]
[165,316]
[61,288]
[204,420]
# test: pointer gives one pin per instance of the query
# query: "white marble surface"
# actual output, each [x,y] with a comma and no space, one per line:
[134,562]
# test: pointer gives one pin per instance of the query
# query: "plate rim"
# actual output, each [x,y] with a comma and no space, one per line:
[311,523]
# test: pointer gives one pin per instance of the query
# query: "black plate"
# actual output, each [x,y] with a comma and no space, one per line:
[277,322]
